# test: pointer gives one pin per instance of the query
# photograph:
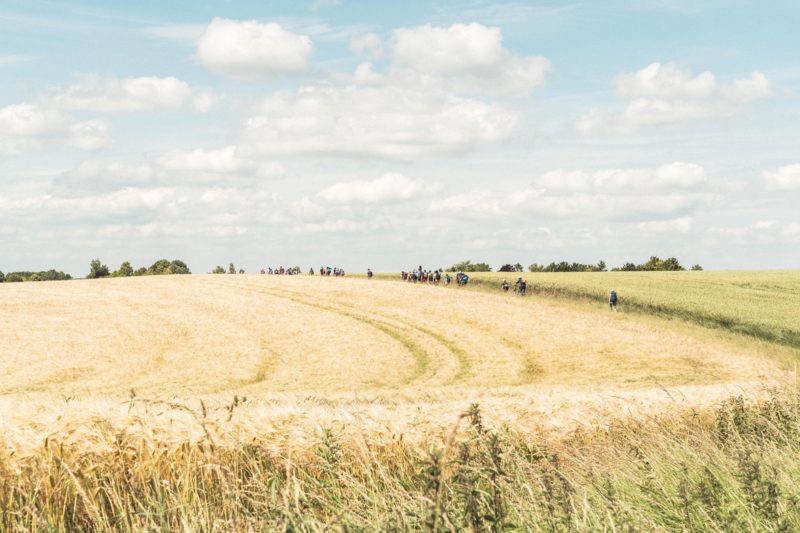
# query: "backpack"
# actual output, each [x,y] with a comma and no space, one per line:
[613,298]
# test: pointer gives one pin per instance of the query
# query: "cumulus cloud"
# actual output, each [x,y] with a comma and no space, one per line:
[662,94]
[390,188]
[252,50]
[22,126]
[116,203]
[383,121]
[223,160]
[681,225]
[784,179]
[668,194]
[89,135]
[108,94]
[471,54]
[99,176]
[368,45]
[675,175]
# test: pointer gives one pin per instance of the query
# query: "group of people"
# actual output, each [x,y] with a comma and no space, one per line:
[520,287]
[279,271]
[328,271]
[432,277]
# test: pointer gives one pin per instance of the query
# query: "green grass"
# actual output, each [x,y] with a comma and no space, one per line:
[761,303]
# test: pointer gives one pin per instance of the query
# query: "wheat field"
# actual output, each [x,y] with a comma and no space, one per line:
[301,353]
[297,403]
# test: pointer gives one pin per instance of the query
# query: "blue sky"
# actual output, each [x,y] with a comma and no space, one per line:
[387,134]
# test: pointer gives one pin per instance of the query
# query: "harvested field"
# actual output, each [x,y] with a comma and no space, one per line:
[367,358]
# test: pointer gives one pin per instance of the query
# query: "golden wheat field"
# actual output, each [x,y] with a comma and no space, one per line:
[280,358]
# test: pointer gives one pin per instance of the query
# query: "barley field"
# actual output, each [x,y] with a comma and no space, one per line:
[303,403]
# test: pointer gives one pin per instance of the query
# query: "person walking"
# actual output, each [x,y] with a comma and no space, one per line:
[612,300]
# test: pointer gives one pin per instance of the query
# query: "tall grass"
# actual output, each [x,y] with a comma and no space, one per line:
[735,468]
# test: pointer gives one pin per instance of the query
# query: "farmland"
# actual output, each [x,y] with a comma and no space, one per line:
[242,402]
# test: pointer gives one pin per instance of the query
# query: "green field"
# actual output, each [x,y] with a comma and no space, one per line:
[761,303]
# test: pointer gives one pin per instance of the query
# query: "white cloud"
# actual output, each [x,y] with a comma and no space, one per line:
[676,175]
[223,160]
[89,135]
[481,203]
[252,50]
[106,94]
[22,126]
[681,225]
[471,54]
[28,120]
[662,94]
[204,101]
[98,176]
[121,202]
[389,188]
[368,45]
[783,179]
[359,120]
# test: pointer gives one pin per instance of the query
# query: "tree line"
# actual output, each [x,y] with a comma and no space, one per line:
[655,263]
[44,275]
[160,268]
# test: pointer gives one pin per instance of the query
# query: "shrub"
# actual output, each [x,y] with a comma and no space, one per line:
[2,277]
[218,270]
[231,268]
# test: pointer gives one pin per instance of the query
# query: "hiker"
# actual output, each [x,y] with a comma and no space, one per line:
[612,300]
[369,273]
[505,285]
[447,279]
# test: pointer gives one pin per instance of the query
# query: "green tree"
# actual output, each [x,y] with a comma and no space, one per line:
[97,270]
[231,268]
[469,266]
[125,270]
[14,277]
[601,266]
[2,277]
[218,270]
[141,271]
[697,267]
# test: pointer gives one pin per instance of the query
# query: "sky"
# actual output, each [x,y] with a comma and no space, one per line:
[392,134]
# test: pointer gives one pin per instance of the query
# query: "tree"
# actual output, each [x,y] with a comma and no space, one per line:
[14,277]
[97,270]
[697,268]
[231,268]
[601,266]
[518,267]
[125,270]
[141,271]
[535,267]
[469,266]
[2,277]
[508,267]
[218,270]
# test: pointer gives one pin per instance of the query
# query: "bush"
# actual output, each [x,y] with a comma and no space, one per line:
[231,268]
[2,277]
[217,270]
[14,277]
[654,264]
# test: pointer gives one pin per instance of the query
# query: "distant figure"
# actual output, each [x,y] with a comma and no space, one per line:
[263,271]
[311,271]
[612,300]
[505,285]
[241,271]
[369,273]
[447,279]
